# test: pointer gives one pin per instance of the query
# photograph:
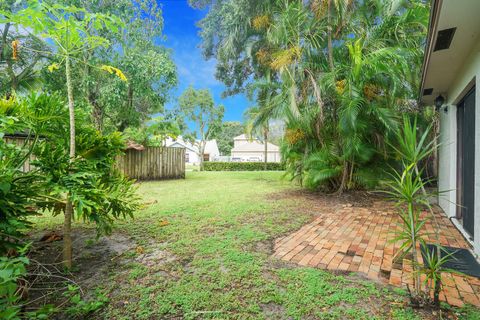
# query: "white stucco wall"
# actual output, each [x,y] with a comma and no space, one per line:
[192,156]
[271,156]
[466,79]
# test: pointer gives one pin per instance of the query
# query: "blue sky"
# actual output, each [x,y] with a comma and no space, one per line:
[182,36]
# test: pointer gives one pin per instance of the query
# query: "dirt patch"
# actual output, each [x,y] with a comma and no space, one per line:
[324,200]
[94,261]
[155,258]
[274,311]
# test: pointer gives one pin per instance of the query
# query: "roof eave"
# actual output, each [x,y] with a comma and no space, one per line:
[432,27]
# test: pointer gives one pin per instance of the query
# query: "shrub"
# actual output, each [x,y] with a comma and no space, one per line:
[11,270]
[242,166]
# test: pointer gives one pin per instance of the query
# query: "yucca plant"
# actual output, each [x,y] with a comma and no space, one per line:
[407,187]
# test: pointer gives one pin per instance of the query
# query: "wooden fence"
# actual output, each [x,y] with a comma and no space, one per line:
[153,163]
[21,141]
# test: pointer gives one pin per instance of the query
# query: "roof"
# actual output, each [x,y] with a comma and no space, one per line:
[135,146]
[210,146]
[181,144]
[241,137]
[441,67]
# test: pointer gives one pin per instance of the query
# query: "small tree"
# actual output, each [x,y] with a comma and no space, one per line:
[71,32]
[198,106]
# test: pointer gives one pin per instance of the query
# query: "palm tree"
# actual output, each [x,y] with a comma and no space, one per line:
[341,68]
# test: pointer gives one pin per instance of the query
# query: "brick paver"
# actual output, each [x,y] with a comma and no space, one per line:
[358,239]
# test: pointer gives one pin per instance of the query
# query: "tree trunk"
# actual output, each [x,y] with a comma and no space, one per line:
[329,44]
[4,40]
[67,226]
[130,96]
[97,111]
[265,141]
[202,152]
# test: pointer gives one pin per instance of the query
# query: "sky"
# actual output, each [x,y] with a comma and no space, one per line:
[182,36]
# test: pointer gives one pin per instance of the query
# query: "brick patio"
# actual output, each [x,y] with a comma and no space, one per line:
[357,239]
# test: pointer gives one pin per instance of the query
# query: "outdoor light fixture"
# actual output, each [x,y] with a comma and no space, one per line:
[439,101]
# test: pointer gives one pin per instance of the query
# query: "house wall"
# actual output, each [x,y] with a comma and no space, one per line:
[192,156]
[271,156]
[466,79]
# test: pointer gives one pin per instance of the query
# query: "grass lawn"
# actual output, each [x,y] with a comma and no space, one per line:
[201,250]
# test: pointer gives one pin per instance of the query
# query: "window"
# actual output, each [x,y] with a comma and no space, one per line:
[187,157]
[206,157]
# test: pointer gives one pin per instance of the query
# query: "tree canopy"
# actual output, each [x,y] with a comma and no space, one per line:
[198,106]
[337,72]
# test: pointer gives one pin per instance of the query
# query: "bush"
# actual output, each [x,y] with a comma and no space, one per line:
[242,166]
[11,270]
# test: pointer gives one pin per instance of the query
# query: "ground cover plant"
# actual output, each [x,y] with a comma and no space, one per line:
[198,252]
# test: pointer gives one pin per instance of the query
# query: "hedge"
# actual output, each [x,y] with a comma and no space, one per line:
[242,166]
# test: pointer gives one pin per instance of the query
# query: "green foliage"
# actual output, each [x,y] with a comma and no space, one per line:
[81,308]
[223,266]
[339,75]
[160,129]
[59,25]
[11,271]
[21,193]
[198,106]
[131,27]
[98,192]
[225,135]
[407,188]
[242,166]
[19,69]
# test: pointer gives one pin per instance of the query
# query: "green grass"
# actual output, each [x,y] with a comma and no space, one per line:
[220,229]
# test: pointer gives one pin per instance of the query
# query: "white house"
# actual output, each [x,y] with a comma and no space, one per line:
[245,149]
[450,81]
[191,151]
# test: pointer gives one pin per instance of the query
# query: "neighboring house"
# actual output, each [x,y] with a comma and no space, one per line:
[245,149]
[191,151]
[450,81]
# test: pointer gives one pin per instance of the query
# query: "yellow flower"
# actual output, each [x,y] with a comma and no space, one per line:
[319,8]
[116,71]
[285,57]
[261,22]
[15,44]
[53,66]
[294,135]
[340,86]
[370,91]
[263,56]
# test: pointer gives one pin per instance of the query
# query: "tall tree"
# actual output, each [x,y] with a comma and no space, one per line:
[138,51]
[198,106]
[341,70]
[225,135]
[70,37]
